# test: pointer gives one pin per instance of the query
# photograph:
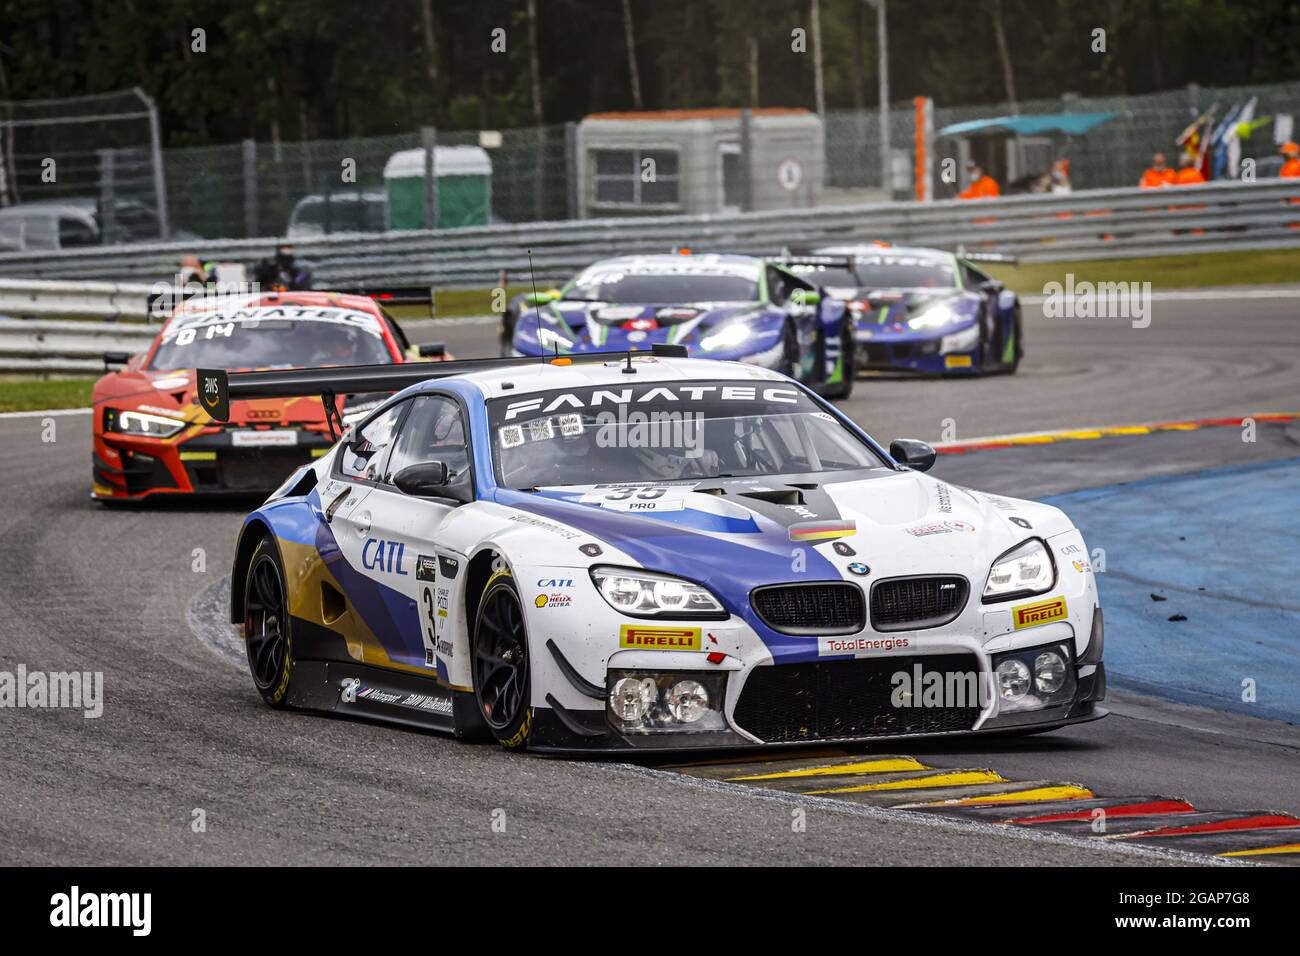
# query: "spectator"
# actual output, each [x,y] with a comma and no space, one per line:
[1158,174]
[1060,177]
[981,186]
[283,272]
[1291,168]
[1188,174]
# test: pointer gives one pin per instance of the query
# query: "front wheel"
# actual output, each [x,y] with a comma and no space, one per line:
[848,365]
[500,665]
[268,639]
[1015,349]
[789,352]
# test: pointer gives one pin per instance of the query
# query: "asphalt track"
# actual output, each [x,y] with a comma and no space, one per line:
[86,588]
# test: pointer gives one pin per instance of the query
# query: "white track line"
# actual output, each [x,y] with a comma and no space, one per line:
[44,412]
[890,815]
[1197,295]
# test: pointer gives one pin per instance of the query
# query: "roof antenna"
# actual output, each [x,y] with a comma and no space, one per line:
[628,369]
[537,311]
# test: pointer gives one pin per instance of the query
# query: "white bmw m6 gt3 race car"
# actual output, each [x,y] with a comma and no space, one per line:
[643,552]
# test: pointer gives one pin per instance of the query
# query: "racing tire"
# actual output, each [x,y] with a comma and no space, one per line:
[849,365]
[1017,344]
[506,337]
[790,352]
[500,667]
[268,632]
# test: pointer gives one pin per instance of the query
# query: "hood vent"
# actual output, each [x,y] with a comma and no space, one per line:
[777,496]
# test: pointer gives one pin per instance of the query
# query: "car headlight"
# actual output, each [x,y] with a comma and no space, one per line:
[1034,678]
[962,341]
[142,423]
[935,317]
[727,337]
[647,594]
[666,702]
[1025,569]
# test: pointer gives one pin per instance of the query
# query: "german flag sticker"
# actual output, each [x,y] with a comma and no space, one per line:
[822,530]
[1042,612]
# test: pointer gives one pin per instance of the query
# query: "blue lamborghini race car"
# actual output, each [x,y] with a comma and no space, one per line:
[737,308]
[921,310]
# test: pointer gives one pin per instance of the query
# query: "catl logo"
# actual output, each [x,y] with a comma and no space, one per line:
[381,555]
[1030,615]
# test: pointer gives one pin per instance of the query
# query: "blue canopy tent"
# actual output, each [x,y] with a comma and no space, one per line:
[1071,124]
[1016,128]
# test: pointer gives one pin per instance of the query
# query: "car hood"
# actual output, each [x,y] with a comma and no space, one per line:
[733,535]
[622,325]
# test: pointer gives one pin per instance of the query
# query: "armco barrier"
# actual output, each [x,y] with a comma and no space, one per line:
[37,298]
[38,346]
[1097,224]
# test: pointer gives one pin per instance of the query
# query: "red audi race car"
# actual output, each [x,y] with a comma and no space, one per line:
[152,437]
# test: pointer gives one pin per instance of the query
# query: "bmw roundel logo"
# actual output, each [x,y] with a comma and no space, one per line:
[858,568]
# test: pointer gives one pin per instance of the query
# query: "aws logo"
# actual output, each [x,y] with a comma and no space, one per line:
[386,556]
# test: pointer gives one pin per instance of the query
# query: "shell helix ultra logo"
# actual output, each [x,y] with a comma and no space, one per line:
[642,638]
[1031,615]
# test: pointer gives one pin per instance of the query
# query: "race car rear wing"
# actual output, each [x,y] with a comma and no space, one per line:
[1005,257]
[812,262]
[217,387]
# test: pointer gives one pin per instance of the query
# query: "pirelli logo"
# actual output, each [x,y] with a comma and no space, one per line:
[1031,615]
[644,638]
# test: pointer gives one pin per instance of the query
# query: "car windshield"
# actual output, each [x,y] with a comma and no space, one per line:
[285,336]
[664,284]
[904,272]
[668,431]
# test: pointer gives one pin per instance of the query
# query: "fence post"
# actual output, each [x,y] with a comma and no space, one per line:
[250,188]
[746,169]
[539,175]
[107,198]
[429,143]
[571,168]
[159,179]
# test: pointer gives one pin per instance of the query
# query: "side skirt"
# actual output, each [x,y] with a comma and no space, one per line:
[349,689]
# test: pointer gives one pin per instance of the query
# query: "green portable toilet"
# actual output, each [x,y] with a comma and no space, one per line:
[464,187]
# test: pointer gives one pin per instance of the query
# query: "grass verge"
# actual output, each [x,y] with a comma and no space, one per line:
[31,394]
[1188,271]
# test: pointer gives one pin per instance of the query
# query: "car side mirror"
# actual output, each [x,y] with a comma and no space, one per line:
[804,297]
[541,298]
[431,479]
[911,453]
[431,350]
[116,358]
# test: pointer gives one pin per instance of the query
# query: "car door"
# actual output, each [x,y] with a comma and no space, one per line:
[401,551]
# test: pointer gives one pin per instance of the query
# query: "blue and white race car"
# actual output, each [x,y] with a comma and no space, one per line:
[642,552]
[922,310]
[736,308]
